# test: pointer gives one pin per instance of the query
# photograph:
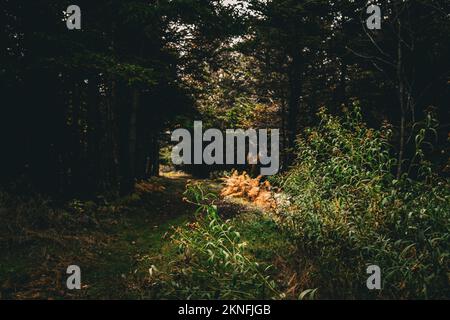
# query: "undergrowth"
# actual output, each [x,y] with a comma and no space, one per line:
[348,211]
[213,261]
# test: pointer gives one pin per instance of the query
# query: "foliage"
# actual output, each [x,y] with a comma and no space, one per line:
[214,261]
[86,113]
[232,96]
[348,211]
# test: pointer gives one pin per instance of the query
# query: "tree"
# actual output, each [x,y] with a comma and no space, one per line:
[399,52]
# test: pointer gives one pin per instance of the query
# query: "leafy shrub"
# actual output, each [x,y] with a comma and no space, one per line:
[348,211]
[213,260]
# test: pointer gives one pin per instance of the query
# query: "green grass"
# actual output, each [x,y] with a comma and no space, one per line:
[130,237]
[116,253]
[121,266]
[264,237]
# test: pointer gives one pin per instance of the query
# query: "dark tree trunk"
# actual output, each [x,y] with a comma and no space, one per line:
[153,157]
[341,92]
[111,156]
[132,137]
[284,151]
[95,171]
[293,107]
[401,96]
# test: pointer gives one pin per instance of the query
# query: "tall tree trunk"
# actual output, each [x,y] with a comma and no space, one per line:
[401,95]
[293,105]
[93,135]
[285,153]
[342,96]
[76,177]
[153,156]
[155,149]
[111,154]
[132,138]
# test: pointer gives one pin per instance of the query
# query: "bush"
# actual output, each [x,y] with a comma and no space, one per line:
[213,261]
[348,211]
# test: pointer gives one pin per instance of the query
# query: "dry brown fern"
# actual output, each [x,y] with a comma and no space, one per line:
[243,186]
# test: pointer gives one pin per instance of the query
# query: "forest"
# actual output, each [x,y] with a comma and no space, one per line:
[91,100]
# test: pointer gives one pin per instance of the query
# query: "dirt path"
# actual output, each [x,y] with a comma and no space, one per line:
[124,240]
[113,251]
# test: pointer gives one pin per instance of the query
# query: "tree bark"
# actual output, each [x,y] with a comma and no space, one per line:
[93,143]
[401,95]
[293,105]
[132,138]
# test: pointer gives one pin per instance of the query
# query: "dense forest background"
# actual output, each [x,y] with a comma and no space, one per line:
[86,111]
[87,114]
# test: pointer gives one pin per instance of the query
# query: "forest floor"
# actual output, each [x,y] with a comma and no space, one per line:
[117,246]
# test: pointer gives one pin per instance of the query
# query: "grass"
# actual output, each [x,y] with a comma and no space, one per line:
[108,253]
[117,253]
[121,266]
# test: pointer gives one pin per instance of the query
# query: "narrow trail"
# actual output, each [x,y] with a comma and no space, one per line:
[139,240]
[114,253]
[142,239]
